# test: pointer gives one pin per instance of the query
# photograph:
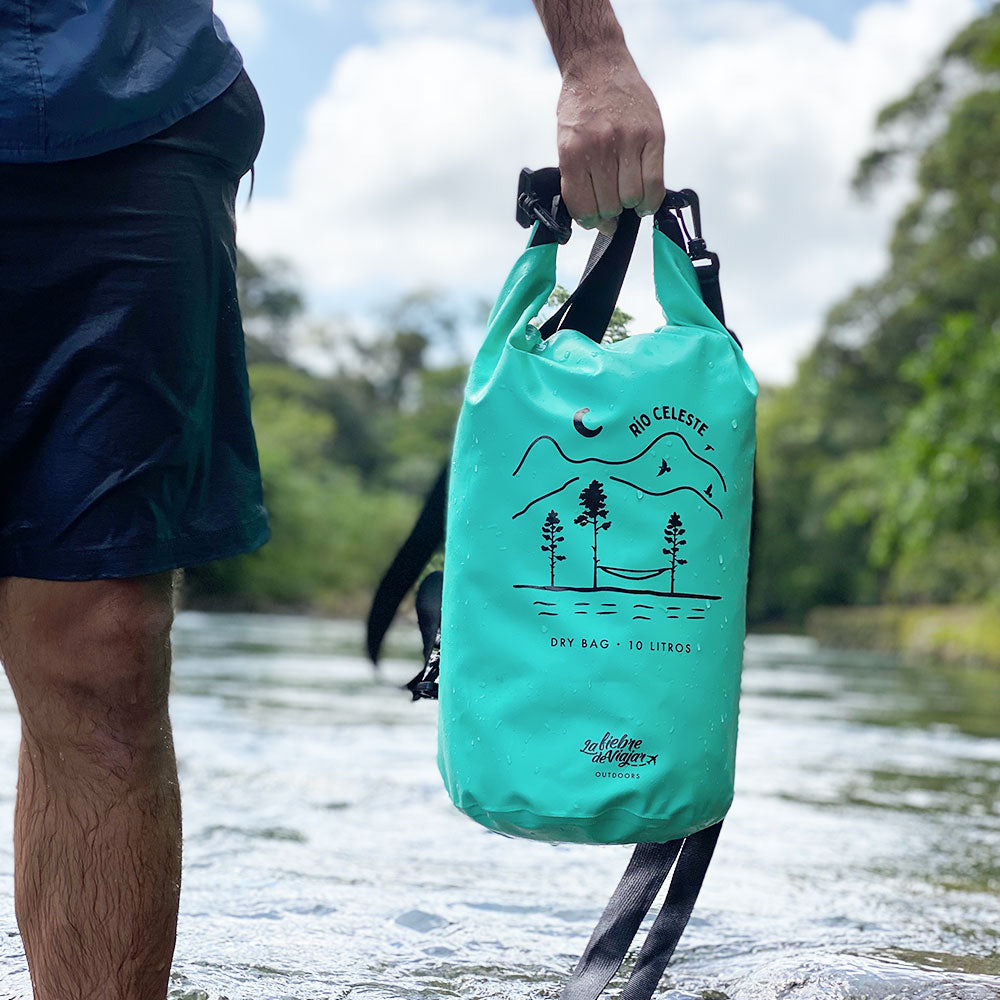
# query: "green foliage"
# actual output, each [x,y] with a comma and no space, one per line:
[345,458]
[269,302]
[879,467]
[329,534]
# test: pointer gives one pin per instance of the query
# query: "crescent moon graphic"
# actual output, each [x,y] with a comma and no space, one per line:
[578,423]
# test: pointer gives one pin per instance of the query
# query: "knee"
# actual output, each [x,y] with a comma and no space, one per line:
[91,656]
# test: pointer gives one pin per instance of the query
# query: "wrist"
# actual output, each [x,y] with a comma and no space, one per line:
[601,57]
[584,35]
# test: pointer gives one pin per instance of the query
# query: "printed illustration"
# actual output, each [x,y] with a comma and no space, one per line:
[663,586]
[672,535]
[592,499]
[550,532]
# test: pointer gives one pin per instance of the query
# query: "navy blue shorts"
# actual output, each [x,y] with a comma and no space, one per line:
[125,439]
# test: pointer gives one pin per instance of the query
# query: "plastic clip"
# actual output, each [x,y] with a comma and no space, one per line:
[674,204]
[539,199]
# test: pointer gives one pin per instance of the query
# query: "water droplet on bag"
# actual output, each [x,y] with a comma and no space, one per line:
[735,425]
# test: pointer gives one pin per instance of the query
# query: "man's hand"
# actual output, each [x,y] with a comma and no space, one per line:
[609,129]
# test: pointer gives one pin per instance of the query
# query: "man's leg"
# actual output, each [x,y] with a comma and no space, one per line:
[97,825]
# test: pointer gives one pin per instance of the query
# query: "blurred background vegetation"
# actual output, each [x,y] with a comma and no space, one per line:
[878,469]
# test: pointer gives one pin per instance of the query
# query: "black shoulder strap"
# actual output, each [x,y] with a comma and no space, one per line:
[425,538]
[645,874]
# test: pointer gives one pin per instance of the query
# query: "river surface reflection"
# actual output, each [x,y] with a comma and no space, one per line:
[323,859]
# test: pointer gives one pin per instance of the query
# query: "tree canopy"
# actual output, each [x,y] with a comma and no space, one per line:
[879,467]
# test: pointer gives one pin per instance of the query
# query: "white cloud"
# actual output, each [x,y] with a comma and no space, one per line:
[245,22]
[407,171]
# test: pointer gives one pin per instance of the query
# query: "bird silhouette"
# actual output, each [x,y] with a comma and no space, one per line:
[663,467]
[708,447]
[708,490]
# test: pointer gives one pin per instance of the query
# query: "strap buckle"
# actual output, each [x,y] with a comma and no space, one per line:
[672,207]
[671,222]
[539,199]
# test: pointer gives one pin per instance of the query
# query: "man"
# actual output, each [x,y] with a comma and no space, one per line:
[125,443]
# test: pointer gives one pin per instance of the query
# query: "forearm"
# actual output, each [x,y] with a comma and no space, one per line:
[582,32]
[609,129]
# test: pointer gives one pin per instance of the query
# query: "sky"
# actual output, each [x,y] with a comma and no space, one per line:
[396,130]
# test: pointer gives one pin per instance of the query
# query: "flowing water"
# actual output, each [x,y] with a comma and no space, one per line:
[322,859]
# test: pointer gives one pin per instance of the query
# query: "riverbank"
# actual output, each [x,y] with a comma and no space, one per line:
[947,633]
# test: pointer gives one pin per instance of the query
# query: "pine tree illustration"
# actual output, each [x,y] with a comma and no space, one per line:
[672,535]
[592,500]
[550,533]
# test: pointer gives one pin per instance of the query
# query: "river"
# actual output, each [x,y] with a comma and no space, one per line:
[322,858]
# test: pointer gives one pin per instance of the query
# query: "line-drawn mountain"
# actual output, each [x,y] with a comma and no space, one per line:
[663,493]
[625,461]
[649,472]
[545,496]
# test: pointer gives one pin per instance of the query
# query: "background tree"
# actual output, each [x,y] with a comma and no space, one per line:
[345,457]
[269,304]
[879,467]
[672,535]
[592,499]
[550,533]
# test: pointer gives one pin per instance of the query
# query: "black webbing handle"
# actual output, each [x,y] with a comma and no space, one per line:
[645,874]
[658,948]
[589,308]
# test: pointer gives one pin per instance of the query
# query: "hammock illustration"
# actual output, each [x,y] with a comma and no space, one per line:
[624,573]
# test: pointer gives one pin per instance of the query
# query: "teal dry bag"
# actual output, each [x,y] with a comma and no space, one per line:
[592,610]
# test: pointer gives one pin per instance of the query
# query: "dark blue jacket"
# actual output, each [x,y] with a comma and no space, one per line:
[80,77]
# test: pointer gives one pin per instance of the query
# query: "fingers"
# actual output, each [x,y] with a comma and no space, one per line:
[604,178]
[630,185]
[596,187]
[578,189]
[596,192]
[651,170]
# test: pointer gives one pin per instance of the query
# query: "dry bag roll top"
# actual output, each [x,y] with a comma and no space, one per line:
[592,613]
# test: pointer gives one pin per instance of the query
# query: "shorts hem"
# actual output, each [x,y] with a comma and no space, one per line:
[52,562]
